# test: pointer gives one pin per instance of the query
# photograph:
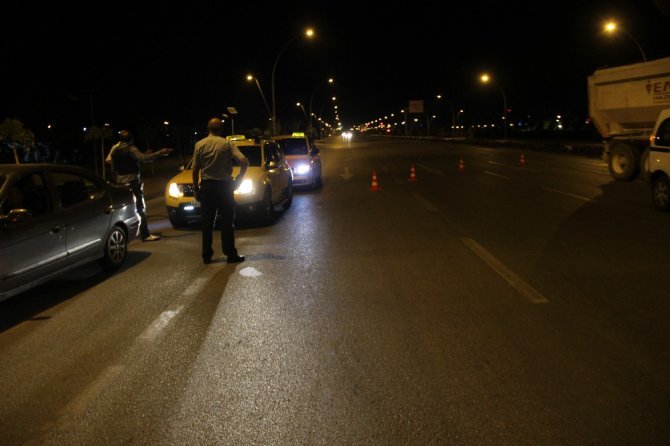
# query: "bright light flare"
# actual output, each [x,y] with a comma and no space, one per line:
[610,27]
[174,191]
[302,169]
[246,187]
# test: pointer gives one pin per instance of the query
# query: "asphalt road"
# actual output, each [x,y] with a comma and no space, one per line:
[499,303]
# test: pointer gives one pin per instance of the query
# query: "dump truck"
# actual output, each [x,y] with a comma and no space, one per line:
[625,104]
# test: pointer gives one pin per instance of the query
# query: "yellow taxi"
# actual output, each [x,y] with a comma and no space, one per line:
[303,157]
[267,184]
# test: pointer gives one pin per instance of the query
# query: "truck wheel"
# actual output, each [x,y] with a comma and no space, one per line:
[644,164]
[660,192]
[624,161]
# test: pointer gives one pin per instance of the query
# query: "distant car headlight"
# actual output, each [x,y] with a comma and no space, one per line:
[247,187]
[175,190]
[302,169]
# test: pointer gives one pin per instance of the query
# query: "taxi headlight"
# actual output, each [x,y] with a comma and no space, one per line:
[302,169]
[246,187]
[175,190]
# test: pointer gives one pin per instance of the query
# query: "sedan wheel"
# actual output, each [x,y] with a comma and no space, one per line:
[289,195]
[319,181]
[266,212]
[116,248]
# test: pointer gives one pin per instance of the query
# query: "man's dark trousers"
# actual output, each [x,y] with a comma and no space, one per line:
[218,196]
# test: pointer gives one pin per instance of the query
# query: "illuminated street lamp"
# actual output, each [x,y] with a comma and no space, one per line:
[311,100]
[612,27]
[309,33]
[453,113]
[485,79]
[299,104]
[321,114]
[251,77]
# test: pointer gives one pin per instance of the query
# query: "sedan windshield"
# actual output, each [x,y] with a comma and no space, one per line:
[296,146]
[253,154]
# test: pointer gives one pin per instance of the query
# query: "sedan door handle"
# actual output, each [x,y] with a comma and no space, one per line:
[55,229]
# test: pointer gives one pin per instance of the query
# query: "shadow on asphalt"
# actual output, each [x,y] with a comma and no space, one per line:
[28,305]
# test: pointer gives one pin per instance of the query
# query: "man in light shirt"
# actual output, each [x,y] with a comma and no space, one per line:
[214,187]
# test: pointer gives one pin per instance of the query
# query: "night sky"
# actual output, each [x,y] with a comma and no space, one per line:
[185,63]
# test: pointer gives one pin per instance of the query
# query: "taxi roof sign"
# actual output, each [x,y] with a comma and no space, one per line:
[298,134]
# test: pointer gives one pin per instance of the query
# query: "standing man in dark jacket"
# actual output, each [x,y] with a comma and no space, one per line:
[125,159]
[214,188]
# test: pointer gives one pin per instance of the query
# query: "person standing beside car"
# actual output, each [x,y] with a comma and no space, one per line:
[125,159]
[214,188]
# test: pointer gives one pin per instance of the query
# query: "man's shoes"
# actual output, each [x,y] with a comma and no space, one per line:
[206,260]
[235,259]
[151,238]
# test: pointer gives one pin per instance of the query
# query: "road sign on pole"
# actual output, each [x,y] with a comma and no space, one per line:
[416,106]
[232,112]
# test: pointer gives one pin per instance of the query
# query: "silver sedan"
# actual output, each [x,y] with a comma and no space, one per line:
[54,218]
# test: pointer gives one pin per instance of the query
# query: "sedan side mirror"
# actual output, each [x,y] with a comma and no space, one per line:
[16,216]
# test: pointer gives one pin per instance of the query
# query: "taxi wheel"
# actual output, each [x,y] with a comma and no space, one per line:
[116,248]
[176,221]
[266,211]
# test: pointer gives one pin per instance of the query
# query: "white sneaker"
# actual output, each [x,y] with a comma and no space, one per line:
[151,238]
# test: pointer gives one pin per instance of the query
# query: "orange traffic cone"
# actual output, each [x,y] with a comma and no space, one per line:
[375,185]
[412,173]
[522,160]
[461,165]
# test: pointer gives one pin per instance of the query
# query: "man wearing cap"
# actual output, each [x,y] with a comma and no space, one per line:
[214,187]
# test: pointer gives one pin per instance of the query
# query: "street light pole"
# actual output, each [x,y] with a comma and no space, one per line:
[485,78]
[309,33]
[311,100]
[611,27]
[251,77]
[453,113]
[321,114]
[299,104]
